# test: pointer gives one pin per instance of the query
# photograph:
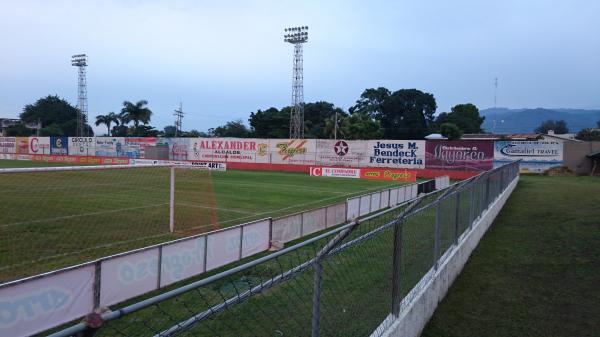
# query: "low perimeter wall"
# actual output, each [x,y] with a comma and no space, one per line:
[420,307]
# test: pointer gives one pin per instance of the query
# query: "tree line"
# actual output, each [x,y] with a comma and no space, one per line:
[378,113]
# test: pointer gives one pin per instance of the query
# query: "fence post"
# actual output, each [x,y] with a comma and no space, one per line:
[437,238]
[396,269]
[472,206]
[172,202]
[456,218]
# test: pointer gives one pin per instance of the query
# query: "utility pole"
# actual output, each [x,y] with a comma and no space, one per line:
[335,125]
[178,119]
[297,36]
[495,91]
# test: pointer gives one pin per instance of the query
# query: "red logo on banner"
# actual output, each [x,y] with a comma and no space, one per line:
[316,171]
[341,148]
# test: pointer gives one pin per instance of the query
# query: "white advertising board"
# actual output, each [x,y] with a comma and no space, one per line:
[39,145]
[182,259]
[375,201]
[535,156]
[340,152]
[82,146]
[31,307]
[339,172]
[395,154]
[365,204]
[353,208]
[336,214]
[314,221]
[242,150]
[223,247]
[255,238]
[293,151]
[287,228]
[8,145]
[127,276]
[393,197]
[109,146]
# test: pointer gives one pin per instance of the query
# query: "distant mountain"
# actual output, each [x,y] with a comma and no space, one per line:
[527,120]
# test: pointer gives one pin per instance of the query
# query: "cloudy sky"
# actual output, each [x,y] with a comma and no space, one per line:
[224,59]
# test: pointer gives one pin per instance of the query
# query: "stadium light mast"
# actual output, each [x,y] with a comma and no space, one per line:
[178,119]
[297,36]
[80,61]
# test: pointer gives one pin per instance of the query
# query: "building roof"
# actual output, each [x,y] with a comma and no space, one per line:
[495,136]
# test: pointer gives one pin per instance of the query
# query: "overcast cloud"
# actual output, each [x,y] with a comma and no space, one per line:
[224,59]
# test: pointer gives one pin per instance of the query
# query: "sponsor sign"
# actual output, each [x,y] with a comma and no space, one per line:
[341,172]
[40,304]
[211,166]
[39,145]
[388,174]
[340,152]
[85,160]
[293,151]
[59,145]
[22,145]
[395,153]
[82,146]
[459,155]
[8,144]
[535,156]
[135,146]
[110,146]
[229,150]
[178,147]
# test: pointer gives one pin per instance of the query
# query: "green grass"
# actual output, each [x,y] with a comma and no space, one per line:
[537,270]
[56,219]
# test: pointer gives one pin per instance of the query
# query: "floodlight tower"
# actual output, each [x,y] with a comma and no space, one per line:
[179,117]
[297,36]
[80,61]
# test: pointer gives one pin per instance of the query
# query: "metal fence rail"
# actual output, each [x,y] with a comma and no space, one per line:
[344,282]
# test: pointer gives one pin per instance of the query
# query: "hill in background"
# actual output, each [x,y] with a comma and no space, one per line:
[527,120]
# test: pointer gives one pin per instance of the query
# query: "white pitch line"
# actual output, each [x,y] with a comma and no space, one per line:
[234,210]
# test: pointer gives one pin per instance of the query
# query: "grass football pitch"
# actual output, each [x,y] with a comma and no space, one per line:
[50,220]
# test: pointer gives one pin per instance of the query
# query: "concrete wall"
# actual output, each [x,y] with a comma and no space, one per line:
[417,312]
[575,156]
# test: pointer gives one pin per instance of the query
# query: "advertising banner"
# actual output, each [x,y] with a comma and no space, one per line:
[395,153]
[22,145]
[8,145]
[340,152]
[293,151]
[87,160]
[39,145]
[135,146]
[182,259]
[340,172]
[59,145]
[82,146]
[388,174]
[35,306]
[110,146]
[459,154]
[237,150]
[536,156]
[223,247]
[178,147]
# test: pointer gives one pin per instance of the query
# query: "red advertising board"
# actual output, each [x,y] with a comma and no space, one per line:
[340,172]
[467,155]
[388,174]
[81,160]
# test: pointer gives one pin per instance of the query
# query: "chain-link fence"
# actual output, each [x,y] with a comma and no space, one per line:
[344,282]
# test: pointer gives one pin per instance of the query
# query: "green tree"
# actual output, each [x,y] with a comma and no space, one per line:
[107,120]
[450,131]
[270,123]
[169,131]
[588,135]
[142,131]
[371,102]
[465,116]
[136,113]
[407,114]
[53,110]
[18,130]
[231,129]
[318,119]
[360,125]
[559,126]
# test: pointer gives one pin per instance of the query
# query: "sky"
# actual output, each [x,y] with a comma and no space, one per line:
[225,59]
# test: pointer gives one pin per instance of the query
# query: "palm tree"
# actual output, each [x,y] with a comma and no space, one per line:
[136,113]
[107,120]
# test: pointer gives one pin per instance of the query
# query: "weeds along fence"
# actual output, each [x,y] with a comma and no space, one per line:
[75,291]
[344,282]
